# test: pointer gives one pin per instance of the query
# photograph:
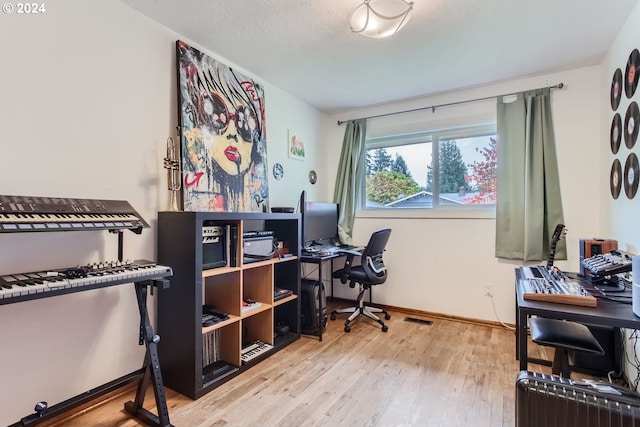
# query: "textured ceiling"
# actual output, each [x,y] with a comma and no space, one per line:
[306,48]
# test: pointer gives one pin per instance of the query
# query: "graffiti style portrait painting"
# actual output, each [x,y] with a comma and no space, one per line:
[222,122]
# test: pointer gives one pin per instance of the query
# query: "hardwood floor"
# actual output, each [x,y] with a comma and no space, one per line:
[449,373]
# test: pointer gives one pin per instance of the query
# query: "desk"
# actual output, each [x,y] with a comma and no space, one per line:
[320,260]
[607,313]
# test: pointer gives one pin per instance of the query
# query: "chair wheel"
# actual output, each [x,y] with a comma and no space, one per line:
[347,328]
[387,316]
[333,316]
[385,328]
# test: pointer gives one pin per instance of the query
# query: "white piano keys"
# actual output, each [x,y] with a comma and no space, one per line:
[95,275]
[254,350]
[21,285]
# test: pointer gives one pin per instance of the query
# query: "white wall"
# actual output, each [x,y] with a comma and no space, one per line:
[441,264]
[619,216]
[88,99]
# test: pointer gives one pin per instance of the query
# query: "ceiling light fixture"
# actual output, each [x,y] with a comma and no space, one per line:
[381,18]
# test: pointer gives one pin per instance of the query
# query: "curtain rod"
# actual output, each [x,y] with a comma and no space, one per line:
[433,107]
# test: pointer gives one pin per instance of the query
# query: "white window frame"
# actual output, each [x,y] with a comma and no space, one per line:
[427,136]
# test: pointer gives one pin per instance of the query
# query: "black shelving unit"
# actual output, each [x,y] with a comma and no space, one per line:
[197,359]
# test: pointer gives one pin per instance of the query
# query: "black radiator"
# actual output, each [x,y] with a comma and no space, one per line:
[550,401]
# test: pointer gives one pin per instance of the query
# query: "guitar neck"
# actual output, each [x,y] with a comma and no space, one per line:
[552,254]
[557,235]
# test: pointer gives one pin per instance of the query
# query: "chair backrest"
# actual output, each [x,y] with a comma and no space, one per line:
[371,261]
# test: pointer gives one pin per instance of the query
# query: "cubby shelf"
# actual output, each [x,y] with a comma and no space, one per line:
[221,324]
[219,271]
[196,359]
[285,300]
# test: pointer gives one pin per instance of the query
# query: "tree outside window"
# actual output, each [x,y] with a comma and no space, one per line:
[401,175]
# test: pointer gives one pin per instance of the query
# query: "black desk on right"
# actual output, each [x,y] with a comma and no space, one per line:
[607,312]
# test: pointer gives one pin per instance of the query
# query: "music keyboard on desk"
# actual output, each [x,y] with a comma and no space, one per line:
[609,263]
[538,285]
[41,284]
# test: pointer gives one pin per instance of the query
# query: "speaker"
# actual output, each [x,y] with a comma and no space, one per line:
[635,289]
[258,248]
[214,251]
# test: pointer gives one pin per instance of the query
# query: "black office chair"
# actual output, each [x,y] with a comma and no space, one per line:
[371,271]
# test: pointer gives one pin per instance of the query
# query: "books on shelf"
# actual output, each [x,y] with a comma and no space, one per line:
[279,293]
[250,304]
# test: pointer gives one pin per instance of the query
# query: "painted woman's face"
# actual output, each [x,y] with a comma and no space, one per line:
[232,131]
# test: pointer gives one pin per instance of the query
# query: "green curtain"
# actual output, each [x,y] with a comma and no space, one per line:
[349,176]
[529,204]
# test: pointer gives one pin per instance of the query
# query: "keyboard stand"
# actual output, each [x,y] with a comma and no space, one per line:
[151,366]
[150,371]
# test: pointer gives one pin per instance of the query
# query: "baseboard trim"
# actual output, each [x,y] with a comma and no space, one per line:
[432,315]
[82,409]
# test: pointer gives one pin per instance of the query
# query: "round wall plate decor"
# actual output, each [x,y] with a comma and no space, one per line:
[615,136]
[615,179]
[631,175]
[616,89]
[631,125]
[278,171]
[631,73]
[313,177]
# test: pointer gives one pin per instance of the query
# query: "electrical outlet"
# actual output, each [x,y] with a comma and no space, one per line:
[488,290]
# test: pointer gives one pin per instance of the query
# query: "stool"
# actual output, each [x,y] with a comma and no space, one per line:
[563,336]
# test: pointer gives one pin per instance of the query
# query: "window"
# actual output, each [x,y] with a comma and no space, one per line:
[454,168]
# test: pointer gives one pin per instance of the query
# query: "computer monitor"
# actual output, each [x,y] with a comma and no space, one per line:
[319,222]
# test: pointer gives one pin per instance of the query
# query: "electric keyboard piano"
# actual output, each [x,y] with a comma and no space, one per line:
[28,214]
[45,214]
[254,350]
[42,284]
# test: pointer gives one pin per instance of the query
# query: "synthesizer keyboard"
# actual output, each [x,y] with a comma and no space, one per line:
[29,214]
[254,350]
[609,263]
[41,284]
[538,285]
